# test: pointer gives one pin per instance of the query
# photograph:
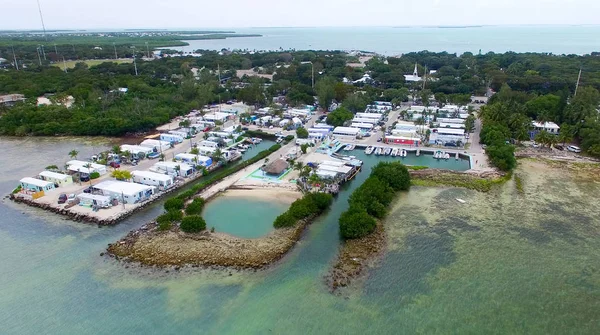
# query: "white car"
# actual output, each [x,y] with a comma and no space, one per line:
[573,148]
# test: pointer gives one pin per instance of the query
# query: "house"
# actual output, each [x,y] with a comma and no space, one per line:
[374,116]
[217,116]
[210,144]
[194,159]
[276,167]
[36,185]
[362,126]
[67,101]
[173,168]
[93,200]
[550,127]
[171,138]
[156,145]
[346,131]
[403,140]
[125,192]
[181,132]
[137,150]
[441,136]
[56,178]
[162,181]
[86,167]
[10,100]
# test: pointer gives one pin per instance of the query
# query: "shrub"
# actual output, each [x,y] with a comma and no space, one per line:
[356,224]
[164,225]
[261,134]
[285,220]
[94,175]
[174,204]
[301,132]
[395,174]
[192,224]
[289,138]
[502,156]
[321,200]
[195,207]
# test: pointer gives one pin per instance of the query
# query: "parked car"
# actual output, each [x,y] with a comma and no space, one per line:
[62,198]
[207,129]
[84,178]
[88,190]
[114,165]
[559,147]
[244,128]
[380,139]
[153,155]
[573,148]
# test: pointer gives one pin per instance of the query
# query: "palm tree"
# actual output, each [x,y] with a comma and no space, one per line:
[116,149]
[217,155]
[127,154]
[89,167]
[298,166]
[194,151]
[73,153]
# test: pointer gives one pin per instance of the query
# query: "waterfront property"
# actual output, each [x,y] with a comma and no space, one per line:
[156,145]
[194,159]
[56,178]
[85,167]
[173,168]
[346,131]
[124,192]
[137,150]
[171,138]
[29,184]
[162,181]
[94,200]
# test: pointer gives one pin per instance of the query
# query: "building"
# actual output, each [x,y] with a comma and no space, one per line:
[276,167]
[86,167]
[194,159]
[414,77]
[137,150]
[346,131]
[56,178]
[333,170]
[452,125]
[93,200]
[162,181]
[36,185]
[362,126]
[447,136]
[171,138]
[364,120]
[402,140]
[127,193]
[374,116]
[450,120]
[217,117]
[173,168]
[550,127]
[156,145]
[10,100]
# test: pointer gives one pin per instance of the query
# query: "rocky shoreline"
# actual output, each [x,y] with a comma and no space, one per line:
[480,180]
[354,257]
[148,246]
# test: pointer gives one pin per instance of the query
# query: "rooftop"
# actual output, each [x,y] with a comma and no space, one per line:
[55,175]
[276,167]
[36,182]
[126,188]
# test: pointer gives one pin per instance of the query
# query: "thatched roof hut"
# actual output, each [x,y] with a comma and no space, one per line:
[276,167]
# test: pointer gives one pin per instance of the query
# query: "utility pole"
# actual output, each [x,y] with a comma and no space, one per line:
[42,19]
[115,47]
[38,53]
[64,64]
[43,52]
[147,50]
[219,71]
[134,63]
[312,65]
[577,85]
[15,58]
[55,50]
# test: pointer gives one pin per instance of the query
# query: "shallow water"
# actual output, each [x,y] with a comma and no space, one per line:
[501,263]
[245,217]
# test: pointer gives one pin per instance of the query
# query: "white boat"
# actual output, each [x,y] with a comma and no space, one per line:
[446,156]
[438,155]
[387,151]
[349,147]
[457,157]
[460,200]
[369,150]
[418,152]
[403,153]
[394,152]
[378,151]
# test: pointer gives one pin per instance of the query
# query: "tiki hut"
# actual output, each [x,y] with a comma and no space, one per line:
[276,167]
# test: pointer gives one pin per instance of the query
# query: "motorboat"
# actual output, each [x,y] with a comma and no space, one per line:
[418,152]
[369,150]
[387,151]
[438,155]
[349,147]
[378,151]
[403,153]
[457,156]
[394,152]
[446,156]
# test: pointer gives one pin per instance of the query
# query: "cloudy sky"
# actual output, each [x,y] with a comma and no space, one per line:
[98,14]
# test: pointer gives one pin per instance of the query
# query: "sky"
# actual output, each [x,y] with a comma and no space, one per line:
[176,14]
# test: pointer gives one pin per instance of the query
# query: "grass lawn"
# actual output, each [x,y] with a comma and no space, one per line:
[92,62]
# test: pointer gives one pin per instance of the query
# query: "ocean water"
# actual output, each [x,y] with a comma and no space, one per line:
[501,263]
[395,41]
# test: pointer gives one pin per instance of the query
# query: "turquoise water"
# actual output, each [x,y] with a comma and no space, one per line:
[412,159]
[395,41]
[501,263]
[245,217]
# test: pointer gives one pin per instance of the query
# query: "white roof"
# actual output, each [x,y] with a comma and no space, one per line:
[450,131]
[545,125]
[101,198]
[296,120]
[183,166]
[154,143]
[362,125]
[364,120]
[36,182]
[452,125]
[135,148]
[338,169]
[83,163]
[152,175]
[449,120]
[55,175]
[333,163]
[325,173]
[346,130]
[125,188]
[369,115]
[79,168]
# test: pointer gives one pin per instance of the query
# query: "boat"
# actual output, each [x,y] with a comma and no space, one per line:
[460,200]
[457,157]
[418,152]
[394,152]
[446,156]
[378,151]
[349,147]
[369,150]
[387,151]
[438,155]
[403,153]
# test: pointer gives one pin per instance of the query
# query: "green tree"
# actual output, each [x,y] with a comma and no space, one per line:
[301,132]
[73,154]
[566,133]
[192,224]
[325,89]
[194,151]
[356,224]
[339,116]
[174,204]
[395,174]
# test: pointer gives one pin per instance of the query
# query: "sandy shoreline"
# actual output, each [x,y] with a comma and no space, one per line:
[271,194]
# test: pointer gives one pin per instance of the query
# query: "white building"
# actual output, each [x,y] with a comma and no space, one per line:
[171,138]
[171,168]
[550,127]
[137,150]
[216,116]
[414,77]
[36,185]
[56,178]
[162,181]
[194,159]
[73,165]
[346,131]
[156,145]
[128,193]
[364,120]
[363,126]
[375,116]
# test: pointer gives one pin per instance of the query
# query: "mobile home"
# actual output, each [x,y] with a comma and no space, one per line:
[162,181]
[156,145]
[171,138]
[56,178]
[171,168]
[36,185]
[127,193]
[93,167]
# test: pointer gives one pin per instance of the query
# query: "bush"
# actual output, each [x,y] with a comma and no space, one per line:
[301,132]
[289,138]
[502,156]
[395,174]
[356,224]
[195,207]
[94,175]
[321,200]
[174,204]
[285,220]
[192,224]
[261,134]
[164,225]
